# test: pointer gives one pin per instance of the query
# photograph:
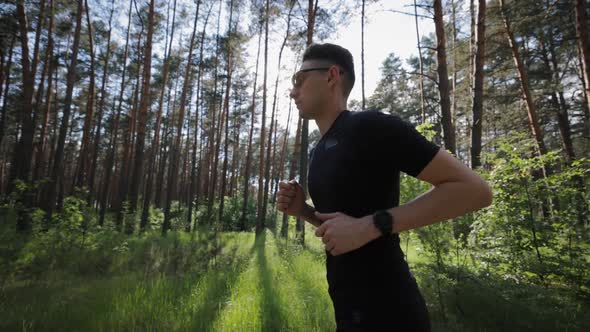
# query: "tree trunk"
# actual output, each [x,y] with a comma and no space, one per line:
[57,173]
[23,151]
[40,162]
[294,168]
[110,160]
[524,81]
[147,197]
[6,89]
[173,170]
[478,76]
[261,215]
[559,104]
[421,77]
[284,224]
[40,22]
[250,138]
[273,128]
[82,170]
[101,103]
[584,43]
[472,43]
[363,53]
[214,140]
[143,113]
[226,111]
[443,79]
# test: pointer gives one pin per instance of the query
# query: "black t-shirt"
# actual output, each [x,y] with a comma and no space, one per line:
[355,169]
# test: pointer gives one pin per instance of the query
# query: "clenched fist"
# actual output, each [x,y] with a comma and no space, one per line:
[290,198]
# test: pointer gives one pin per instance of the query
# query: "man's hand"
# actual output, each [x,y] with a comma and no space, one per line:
[290,199]
[341,233]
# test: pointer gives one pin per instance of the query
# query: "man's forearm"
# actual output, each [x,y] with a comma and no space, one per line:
[446,201]
[309,216]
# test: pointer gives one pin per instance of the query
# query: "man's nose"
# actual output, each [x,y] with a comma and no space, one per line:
[293,93]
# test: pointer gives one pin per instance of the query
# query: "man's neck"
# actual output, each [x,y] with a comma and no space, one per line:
[325,121]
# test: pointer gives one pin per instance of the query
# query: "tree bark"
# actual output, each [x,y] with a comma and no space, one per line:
[226,111]
[260,221]
[57,173]
[23,152]
[421,65]
[105,75]
[524,81]
[443,79]
[147,197]
[6,88]
[110,160]
[584,43]
[173,170]
[250,138]
[214,140]
[363,53]
[478,76]
[284,223]
[82,170]
[143,113]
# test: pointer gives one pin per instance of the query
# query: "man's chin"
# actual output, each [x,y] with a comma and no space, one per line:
[305,116]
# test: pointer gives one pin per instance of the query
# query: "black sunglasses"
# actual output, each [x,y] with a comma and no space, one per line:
[297,79]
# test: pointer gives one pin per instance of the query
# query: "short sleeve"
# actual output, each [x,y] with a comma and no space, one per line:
[397,141]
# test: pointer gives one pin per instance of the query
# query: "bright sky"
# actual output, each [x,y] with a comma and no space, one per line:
[385,32]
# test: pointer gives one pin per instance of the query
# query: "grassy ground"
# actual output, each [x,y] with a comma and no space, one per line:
[187,283]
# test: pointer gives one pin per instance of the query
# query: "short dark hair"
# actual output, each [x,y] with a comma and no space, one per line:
[337,55]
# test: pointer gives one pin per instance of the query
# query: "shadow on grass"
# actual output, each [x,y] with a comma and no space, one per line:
[318,305]
[218,290]
[273,318]
[128,301]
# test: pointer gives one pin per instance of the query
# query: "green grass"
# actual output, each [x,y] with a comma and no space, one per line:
[187,282]
[251,285]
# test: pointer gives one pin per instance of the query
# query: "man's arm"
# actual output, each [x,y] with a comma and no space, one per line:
[457,190]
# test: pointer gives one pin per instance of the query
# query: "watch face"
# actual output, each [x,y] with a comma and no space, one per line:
[383,221]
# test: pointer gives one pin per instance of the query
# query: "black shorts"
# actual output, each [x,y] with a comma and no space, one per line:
[398,308]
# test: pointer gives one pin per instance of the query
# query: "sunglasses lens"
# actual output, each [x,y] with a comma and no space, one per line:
[296,80]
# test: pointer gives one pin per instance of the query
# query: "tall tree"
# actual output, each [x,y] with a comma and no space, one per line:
[23,152]
[231,41]
[273,129]
[147,197]
[173,169]
[82,171]
[477,93]
[363,52]
[260,221]
[143,112]
[110,160]
[443,79]
[58,172]
[249,153]
[51,62]
[524,81]
[583,38]
[101,104]
[6,87]
[421,67]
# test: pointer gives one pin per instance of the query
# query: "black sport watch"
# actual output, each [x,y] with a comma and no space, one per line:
[383,220]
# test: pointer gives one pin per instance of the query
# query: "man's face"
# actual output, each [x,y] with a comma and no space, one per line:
[310,88]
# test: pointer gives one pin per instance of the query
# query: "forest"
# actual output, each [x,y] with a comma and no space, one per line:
[142,143]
